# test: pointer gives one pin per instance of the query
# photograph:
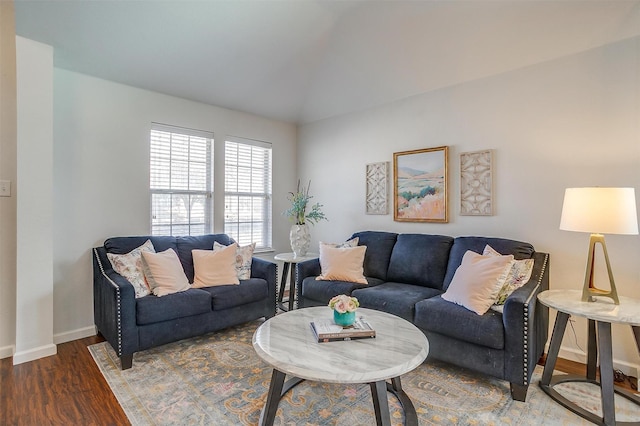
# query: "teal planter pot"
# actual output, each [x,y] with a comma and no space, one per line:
[344,320]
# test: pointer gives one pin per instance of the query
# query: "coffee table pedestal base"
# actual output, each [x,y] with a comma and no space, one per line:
[278,388]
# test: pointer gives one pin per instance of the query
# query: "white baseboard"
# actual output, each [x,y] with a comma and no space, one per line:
[68,336]
[47,350]
[33,354]
[7,351]
[576,355]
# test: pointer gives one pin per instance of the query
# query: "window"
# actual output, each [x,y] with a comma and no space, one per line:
[247,207]
[180,181]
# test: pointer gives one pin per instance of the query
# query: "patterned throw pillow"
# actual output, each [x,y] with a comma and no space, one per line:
[243,259]
[351,243]
[519,275]
[130,266]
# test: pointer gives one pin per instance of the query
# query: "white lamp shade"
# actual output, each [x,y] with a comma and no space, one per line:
[600,210]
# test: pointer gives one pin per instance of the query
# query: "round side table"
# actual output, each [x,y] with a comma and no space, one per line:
[289,260]
[601,314]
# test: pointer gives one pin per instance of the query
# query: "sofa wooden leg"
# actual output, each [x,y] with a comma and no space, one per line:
[126,361]
[519,392]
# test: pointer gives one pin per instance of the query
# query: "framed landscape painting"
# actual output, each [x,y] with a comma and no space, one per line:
[420,190]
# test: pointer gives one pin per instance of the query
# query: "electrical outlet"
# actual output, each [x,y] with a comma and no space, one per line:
[5,188]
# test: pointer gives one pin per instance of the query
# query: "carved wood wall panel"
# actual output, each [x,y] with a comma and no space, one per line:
[476,183]
[378,188]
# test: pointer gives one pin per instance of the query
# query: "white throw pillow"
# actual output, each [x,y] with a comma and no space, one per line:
[214,268]
[477,281]
[130,266]
[342,264]
[164,272]
[519,275]
[244,256]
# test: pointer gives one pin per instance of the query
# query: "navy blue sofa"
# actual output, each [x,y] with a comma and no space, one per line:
[406,275]
[131,325]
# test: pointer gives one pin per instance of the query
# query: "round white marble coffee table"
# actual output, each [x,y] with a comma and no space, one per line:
[287,343]
[600,314]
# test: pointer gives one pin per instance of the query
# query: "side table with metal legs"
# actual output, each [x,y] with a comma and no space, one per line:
[289,261]
[600,316]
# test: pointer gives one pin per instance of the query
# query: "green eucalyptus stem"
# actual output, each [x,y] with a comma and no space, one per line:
[299,204]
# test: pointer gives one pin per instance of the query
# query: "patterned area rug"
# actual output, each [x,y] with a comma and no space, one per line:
[217,379]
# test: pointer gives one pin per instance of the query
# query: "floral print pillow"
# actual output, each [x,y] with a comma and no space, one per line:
[519,275]
[347,244]
[130,266]
[243,259]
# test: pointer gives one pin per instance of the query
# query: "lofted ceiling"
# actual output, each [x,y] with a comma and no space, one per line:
[305,60]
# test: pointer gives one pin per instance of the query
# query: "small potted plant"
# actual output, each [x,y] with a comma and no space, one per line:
[300,236]
[344,309]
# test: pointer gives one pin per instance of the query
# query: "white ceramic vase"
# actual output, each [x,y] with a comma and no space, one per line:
[300,238]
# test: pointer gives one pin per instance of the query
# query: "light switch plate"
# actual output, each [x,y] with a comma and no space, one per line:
[5,188]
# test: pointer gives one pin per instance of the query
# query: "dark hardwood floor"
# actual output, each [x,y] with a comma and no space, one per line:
[64,389]
[68,389]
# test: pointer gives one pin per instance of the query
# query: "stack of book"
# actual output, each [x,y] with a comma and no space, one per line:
[325,330]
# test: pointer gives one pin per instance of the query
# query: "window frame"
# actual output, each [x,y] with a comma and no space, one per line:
[266,195]
[209,184]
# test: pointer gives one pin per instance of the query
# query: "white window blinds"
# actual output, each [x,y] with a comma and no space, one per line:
[247,211]
[180,181]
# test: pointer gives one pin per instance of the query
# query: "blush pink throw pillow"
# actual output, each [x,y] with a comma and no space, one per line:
[342,263]
[164,272]
[215,267]
[478,280]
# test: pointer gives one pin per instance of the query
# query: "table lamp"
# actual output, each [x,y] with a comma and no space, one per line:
[599,211]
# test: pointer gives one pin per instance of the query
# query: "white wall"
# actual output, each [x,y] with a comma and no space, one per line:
[34,193]
[101,175]
[8,138]
[570,122]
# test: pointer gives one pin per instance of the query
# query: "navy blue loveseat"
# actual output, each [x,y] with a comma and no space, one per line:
[131,325]
[406,275]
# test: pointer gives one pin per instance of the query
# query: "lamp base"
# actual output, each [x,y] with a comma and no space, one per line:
[590,290]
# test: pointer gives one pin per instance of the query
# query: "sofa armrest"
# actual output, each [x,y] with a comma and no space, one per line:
[268,271]
[114,305]
[306,269]
[526,324]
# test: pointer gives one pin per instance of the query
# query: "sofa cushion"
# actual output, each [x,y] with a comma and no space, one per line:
[379,247]
[152,309]
[122,245]
[323,291]
[420,259]
[395,298]
[518,249]
[449,319]
[230,296]
[201,242]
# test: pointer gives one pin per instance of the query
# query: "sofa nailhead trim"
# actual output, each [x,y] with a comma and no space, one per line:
[275,300]
[119,315]
[526,322]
